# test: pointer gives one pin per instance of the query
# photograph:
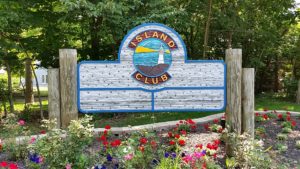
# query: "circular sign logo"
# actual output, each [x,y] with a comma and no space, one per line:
[152,57]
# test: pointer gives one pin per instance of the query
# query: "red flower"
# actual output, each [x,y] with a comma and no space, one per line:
[3,164]
[288,113]
[177,136]
[183,132]
[181,142]
[215,155]
[288,118]
[115,143]
[265,116]
[153,144]
[43,132]
[143,140]
[216,121]
[142,148]
[105,143]
[199,146]
[190,121]
[279,116]
[170,134]
[223,117]
[105,132]
[13,166]
[193,127]
[102,138]
[293,123]
[256,114]
[206,126]
[107,127]
[220,130]
[217,142]
[172,142]
[180,121]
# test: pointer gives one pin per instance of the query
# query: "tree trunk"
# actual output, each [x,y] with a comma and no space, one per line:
[39,93]
[29,97]
[95,39]
[9,88]
[206,35]
[23,87]
[298,93]
[229,40]
[276,76]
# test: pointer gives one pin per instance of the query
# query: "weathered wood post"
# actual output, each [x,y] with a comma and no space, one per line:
[298,93]
[68,85]
[54,95]
[233,108]
[248,101]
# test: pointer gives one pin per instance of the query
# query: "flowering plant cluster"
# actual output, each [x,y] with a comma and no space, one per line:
[60,148]
[7,165]
[261,117]
[187,125]
[214,127]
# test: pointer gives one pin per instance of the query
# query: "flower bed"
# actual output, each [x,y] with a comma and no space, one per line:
[188,145]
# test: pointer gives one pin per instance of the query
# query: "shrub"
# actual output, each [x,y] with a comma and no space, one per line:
[288,124]
[281,147]
[281,136]
[59,148]
[13,127]
[298,144]
[286,130]
[248,153]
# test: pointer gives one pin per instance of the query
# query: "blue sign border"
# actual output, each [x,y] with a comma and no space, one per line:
[223,88]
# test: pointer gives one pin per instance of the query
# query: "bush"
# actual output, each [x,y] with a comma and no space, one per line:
[248,153]
[59,148]
[281,136]
[298,144]
[290,85]
[281,147]
[286,130]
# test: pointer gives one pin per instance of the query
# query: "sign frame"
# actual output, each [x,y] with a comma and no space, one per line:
[118,61]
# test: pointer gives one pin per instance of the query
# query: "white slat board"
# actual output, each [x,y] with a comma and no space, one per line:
[111,86]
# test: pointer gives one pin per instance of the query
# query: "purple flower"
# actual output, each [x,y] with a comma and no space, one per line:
[116,166]
[204,152]
[109,157]
[167,155]
[154,162]
[173,155]
[34,158]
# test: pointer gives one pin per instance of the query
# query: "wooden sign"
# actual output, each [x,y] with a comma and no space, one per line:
[152,74]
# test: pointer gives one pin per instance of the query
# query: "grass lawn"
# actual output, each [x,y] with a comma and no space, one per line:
[125,119]
[273,103]
[267,101]
[19,106]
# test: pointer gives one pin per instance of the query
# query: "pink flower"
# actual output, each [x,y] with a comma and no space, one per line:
[68,166]
[187,158]
[32,140]
[128,156]
[21,122]
[41,159]
[198,155]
